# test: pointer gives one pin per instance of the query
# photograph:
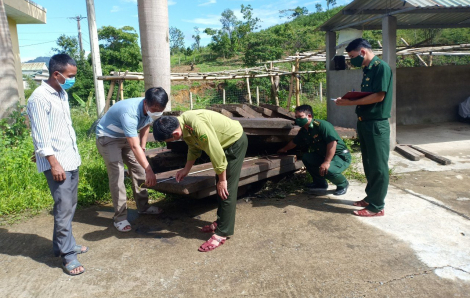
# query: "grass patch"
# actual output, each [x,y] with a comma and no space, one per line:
[24,191]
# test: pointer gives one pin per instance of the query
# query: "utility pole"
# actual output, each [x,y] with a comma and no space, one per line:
[95,57]
[78,19]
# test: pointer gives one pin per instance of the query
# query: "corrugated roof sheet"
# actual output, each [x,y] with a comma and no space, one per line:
[33,66]
[365,14]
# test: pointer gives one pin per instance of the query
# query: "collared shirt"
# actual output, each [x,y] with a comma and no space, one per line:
[318,135]
[377,78]
[51,128]
[209,131]
[124,119]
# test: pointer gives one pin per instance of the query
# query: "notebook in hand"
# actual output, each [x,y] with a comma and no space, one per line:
[353,95]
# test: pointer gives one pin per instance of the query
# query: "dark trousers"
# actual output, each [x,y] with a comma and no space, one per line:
[374,136]
[338,164]
[64,194]
[226,211]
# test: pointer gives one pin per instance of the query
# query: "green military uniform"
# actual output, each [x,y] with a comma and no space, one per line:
[225,143]
[374,132]
[316,137]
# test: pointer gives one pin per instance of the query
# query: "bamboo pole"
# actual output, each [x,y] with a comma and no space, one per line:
[191,100]
[291,87]
[257,95]
[110,95]
[321,91]
[223,96]
[272,83]
[249,90]
[297,83]
[121,89]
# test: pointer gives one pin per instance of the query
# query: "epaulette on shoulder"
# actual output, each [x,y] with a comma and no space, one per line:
[377,62]
[317,123]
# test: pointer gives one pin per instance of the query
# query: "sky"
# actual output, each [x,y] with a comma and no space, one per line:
[38,39]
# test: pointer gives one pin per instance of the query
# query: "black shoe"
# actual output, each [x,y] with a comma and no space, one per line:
[315,186]
[341,190]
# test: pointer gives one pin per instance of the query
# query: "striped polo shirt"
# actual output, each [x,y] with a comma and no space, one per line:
[51,128]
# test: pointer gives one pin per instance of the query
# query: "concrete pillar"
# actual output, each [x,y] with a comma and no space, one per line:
[9,94]
[95,57]
[155,43]
[389,45]
[330,41]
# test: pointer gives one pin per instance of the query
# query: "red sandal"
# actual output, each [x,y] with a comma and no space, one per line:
[367,213]
[209,229]
[361,203]
[210,245]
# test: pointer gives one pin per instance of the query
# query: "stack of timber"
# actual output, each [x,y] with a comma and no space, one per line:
[268,128]
[202,183]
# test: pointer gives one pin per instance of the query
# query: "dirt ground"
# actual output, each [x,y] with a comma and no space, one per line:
[300,245]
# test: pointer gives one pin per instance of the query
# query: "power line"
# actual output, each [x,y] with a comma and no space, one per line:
[44,33]
[28,45]
[78,19]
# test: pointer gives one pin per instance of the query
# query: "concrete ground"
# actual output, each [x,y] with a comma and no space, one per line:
[286,244]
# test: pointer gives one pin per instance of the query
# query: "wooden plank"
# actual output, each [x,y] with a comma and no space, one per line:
[200,181]
[437,158]
[405,151]
[270,123]
[274,132]
[254,113]
[222,111]
[210,191]
[265,112]
[240,110]
[285,113]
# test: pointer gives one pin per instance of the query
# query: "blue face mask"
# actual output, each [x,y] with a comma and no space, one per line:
[68,82]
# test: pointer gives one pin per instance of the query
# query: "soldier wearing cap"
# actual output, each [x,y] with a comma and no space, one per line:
[373,127]
[224,141]
[327,155]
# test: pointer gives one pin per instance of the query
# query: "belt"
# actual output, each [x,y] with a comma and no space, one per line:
[360,118]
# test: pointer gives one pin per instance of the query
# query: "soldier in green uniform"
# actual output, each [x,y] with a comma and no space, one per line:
[225,143]
[373,127]
[327,155]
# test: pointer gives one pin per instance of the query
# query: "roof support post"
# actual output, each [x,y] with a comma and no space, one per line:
[9,87]
[330,42]
[389,41]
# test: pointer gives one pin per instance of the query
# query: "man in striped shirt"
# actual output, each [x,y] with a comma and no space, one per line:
[57,154]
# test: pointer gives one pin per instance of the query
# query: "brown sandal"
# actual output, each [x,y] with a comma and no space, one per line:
[208,245]
[367,213]
[361,203]
[209,228]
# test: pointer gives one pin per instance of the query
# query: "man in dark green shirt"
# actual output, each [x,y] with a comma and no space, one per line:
[373,127]
[327,155]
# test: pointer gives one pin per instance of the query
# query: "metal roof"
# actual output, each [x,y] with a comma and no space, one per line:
[410,14]
[33,66]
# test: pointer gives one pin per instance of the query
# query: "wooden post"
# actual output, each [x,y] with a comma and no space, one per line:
[389,41]
[321,91]
[121,89]
[223,96]
[249,90]
[110,95]
[272,83]
[277,80]
[257,95]
[190,100]
[291,88]
[297,82]
[430,58]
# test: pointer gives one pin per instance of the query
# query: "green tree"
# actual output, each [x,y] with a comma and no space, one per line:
[197,39]
[229,22]
[293,13]
[119,50]
[330,2]
[249,24]
[318,7]
[67,45]
[176,40]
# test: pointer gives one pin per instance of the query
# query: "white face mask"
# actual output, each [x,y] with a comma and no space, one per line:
[154,115]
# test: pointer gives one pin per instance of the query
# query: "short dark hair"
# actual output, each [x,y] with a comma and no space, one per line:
[307,109]
[59,63]
[358,44]
[156,96]
[164,127]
